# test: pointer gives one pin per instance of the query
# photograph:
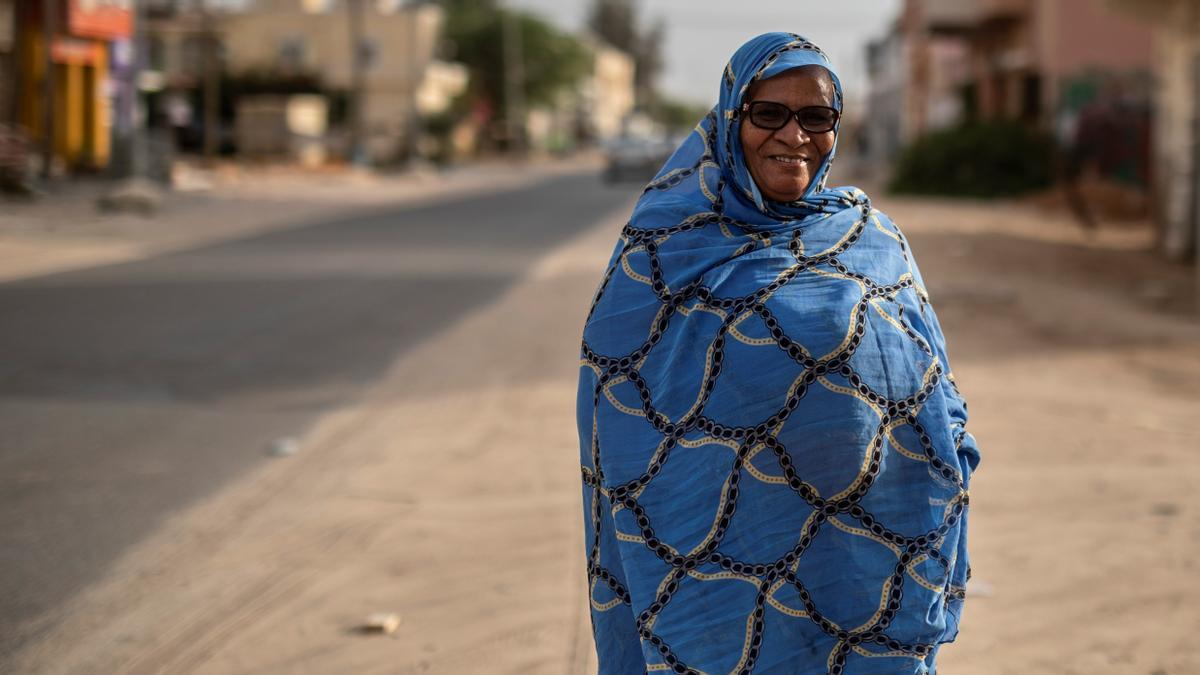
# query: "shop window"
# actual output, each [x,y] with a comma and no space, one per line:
[291,54]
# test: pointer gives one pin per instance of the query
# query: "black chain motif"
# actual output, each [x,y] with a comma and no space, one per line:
[903,410]
[747,440]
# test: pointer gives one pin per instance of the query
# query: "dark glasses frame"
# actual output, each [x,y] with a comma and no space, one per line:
[749,107]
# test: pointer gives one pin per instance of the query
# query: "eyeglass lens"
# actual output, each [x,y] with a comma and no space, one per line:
[771,115]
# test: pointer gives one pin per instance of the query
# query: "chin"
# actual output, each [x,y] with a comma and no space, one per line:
[790,195]
[785,188]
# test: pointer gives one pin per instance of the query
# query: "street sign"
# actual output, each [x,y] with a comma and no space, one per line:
[100,19]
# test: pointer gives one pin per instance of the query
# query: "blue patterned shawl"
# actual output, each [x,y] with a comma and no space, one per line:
[774,458]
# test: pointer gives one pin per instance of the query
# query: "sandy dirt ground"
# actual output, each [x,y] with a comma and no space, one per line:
[1080,359]
[450,494]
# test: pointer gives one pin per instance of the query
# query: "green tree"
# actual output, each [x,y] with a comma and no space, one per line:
[552,61]
[983,159]
[678,115]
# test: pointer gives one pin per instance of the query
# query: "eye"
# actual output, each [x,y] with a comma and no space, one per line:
[817,119]
[769,114]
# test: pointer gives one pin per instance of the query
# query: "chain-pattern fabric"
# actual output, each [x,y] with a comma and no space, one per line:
[774,455]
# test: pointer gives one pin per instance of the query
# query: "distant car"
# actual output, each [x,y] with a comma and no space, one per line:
[635,159]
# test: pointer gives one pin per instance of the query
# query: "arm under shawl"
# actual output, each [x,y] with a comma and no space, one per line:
[968,450]
[966,447]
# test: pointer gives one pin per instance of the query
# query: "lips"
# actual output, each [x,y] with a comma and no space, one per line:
[790,160]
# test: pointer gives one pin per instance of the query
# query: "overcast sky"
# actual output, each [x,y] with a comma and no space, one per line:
[703,34]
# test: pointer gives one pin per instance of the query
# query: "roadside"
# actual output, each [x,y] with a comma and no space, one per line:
[1079,354]
[64,230]
[449,494]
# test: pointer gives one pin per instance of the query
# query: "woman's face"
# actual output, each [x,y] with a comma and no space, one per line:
[784,161]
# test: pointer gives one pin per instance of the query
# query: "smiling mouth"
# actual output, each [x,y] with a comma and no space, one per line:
[790,160]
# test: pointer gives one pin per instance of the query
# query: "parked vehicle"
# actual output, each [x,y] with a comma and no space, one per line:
[635,158]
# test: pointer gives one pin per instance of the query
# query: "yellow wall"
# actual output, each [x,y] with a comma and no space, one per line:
[81,112]
[99,123]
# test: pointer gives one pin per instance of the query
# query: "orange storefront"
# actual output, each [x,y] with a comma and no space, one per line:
[79,53]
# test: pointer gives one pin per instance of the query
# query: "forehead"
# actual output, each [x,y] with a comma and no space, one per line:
[795,87]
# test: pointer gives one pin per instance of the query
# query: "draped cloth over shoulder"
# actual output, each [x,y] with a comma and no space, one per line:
[775,465]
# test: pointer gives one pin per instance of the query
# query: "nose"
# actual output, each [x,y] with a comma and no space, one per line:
[792,133]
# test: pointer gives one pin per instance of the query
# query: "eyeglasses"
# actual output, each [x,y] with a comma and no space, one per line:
[770,115]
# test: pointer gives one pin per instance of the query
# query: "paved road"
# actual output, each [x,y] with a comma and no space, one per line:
[129,391]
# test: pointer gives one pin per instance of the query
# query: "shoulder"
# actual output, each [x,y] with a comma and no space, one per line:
[858,199]
[664,213]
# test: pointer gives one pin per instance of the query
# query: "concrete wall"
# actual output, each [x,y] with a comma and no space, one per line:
[887,131]
[1074,37]
[1087,34]
[1177,71]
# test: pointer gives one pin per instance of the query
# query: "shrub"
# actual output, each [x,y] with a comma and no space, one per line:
[990,159]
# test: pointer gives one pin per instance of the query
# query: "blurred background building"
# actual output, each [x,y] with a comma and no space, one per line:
[58,67]
[280,40]
[966,97]
[1098,96]
[1176,131]
[948,61]
[377,82]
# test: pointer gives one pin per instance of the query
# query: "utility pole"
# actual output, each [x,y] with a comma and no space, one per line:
[411,122]
[10,82]
[514,81]
[140,162]
[212,83]
[137,192]
[354,12]
[1195,177]
[50,29]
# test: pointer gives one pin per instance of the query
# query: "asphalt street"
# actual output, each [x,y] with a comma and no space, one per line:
[129,391]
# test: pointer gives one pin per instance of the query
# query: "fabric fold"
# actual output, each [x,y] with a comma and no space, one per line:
[774,455]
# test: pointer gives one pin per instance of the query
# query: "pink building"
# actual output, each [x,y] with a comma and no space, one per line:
[1027,56]
[945,61]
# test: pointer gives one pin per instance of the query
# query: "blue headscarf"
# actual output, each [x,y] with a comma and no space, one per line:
[774,456]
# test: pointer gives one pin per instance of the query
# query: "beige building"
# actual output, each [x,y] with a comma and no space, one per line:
[608,95]
[313,37]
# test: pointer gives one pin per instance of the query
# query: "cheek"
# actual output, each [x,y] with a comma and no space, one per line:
[747,143]
[752,139]
[824,143]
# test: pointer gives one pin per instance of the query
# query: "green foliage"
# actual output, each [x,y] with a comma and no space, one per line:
[552,61]
[989,159]
[677,115]
[616,21]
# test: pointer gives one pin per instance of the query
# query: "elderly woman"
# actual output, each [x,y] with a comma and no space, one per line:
[774,457]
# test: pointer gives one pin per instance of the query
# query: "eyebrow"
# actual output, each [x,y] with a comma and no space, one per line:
[824,103]
[828,94]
